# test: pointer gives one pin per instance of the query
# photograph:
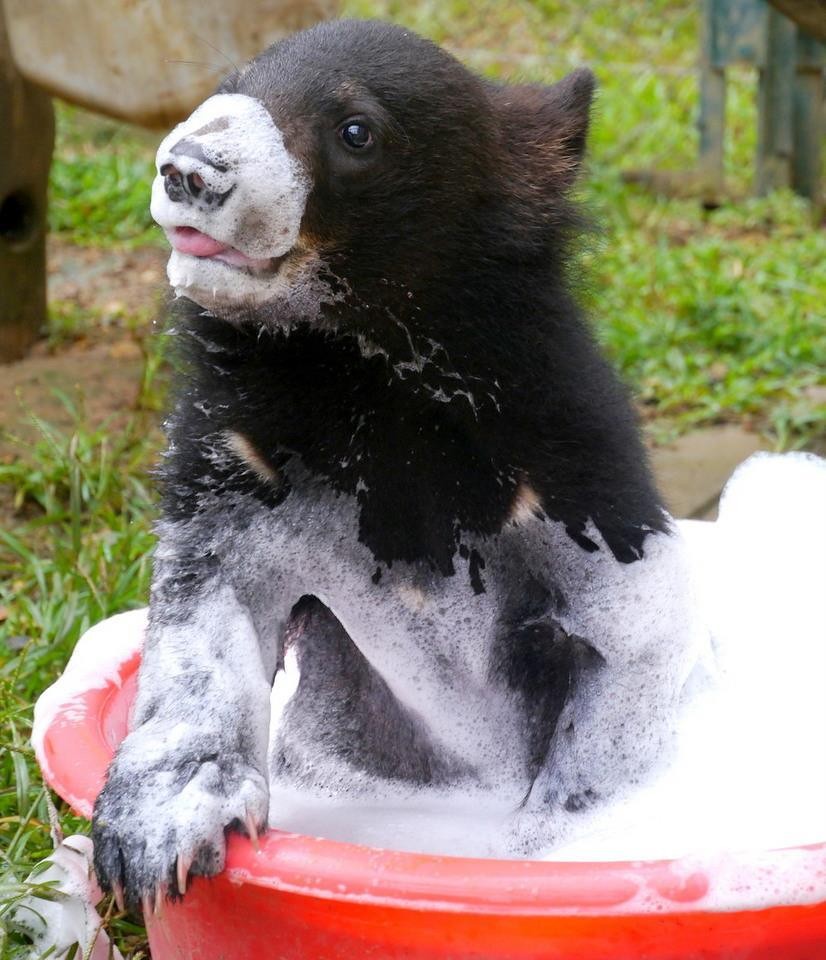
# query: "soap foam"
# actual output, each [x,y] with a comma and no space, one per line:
[749,770]
[248,163]
[234,146]
[435,657]
[747,775]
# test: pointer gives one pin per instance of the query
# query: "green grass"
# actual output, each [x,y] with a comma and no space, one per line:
[80,553]
[710,321]
[100,180]
[710,316]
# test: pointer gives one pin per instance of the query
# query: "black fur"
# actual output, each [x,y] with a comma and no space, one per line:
[451,250]
[347,709]
[450,370]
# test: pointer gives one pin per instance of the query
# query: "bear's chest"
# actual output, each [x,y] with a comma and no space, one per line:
[427,635]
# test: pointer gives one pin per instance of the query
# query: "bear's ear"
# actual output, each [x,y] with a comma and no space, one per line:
[545,128]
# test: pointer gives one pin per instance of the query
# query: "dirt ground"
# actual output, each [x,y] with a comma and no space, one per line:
[102,278]
[100,369]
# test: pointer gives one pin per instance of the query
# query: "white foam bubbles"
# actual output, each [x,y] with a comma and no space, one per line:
[746,772]
[749,716]
[239,153]
[749,773]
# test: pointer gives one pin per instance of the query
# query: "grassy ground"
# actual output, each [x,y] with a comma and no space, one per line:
[711,316]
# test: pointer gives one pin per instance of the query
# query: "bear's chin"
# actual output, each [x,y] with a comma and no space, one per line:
[293,288]
[216,284]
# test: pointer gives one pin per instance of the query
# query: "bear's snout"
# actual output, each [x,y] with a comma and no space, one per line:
[230,198]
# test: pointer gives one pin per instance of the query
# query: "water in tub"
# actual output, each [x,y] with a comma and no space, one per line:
[750,767]
[749,772]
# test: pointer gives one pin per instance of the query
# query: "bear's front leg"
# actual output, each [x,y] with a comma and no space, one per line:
[194,764]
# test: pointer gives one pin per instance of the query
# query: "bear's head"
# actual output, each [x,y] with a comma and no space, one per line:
[357,162]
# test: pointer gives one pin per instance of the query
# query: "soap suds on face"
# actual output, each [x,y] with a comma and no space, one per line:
[246,160]
[233,145]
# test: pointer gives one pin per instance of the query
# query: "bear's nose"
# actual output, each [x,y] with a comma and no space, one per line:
[178,184]
[194,176]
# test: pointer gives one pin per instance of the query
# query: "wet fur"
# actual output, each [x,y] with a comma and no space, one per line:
[448,368]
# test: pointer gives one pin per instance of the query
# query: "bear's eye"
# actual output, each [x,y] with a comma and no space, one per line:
[356,134]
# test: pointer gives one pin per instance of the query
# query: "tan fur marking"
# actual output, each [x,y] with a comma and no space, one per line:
[526,504]
[412,597]
[245,451]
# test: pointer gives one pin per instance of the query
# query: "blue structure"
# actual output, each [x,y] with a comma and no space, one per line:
[791,66]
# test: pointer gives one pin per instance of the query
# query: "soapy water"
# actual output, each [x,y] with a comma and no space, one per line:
[748,772]
[66,916]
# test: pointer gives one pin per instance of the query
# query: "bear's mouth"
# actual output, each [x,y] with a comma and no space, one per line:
[195,243]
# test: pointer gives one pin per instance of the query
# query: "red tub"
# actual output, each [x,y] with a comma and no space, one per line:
[302,898]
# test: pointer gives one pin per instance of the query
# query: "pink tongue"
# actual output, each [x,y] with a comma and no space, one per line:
[197,244]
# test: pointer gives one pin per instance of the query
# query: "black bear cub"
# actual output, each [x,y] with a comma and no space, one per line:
[395,451]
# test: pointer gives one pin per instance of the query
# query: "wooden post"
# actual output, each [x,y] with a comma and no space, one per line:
[809,111]
[26,143]
[712,119]
[809,15]
[791,100]
[774,98]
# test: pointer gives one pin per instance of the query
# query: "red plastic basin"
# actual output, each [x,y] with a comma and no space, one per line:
[314,899]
